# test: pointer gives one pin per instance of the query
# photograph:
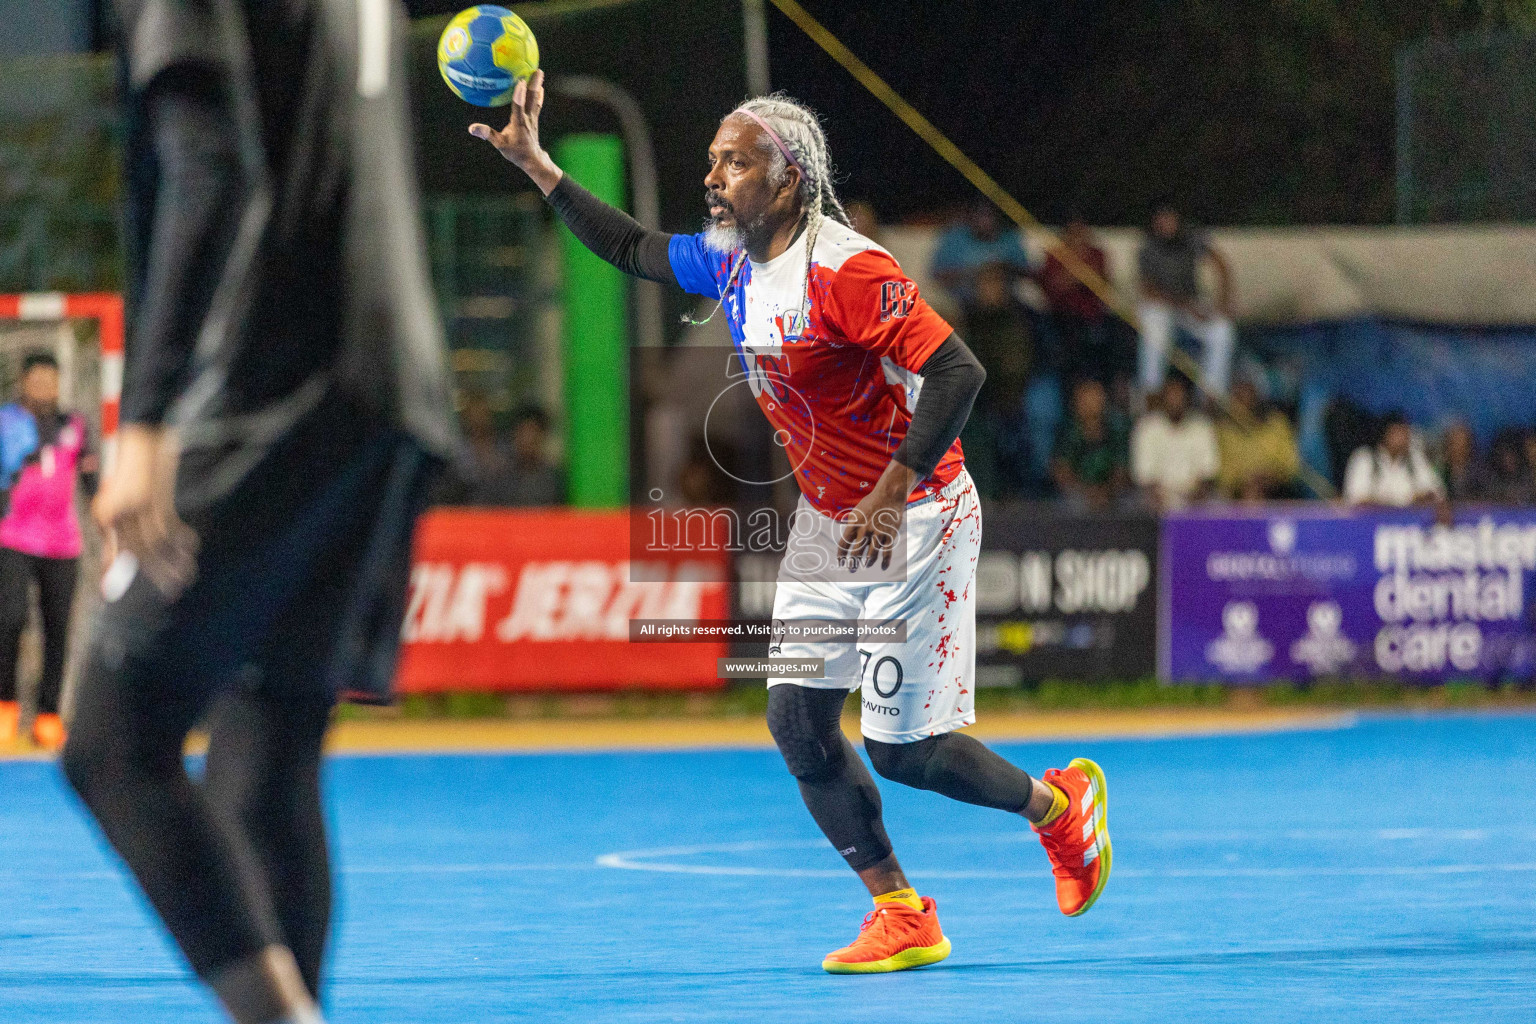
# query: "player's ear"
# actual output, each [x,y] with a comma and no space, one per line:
[791,183]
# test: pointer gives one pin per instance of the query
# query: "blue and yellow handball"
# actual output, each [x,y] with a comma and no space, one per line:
[483,52]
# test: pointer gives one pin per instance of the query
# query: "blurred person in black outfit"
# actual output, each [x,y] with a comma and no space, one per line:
[285,405]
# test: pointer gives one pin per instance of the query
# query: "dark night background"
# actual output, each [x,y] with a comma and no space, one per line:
[1245,112]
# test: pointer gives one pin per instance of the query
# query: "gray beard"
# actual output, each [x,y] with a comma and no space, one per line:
[718,238]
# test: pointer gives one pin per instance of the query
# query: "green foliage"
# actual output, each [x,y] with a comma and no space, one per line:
[59,177]
[474,705]
[1071,694]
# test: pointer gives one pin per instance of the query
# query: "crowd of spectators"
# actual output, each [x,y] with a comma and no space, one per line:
[1081,408]
[510,468]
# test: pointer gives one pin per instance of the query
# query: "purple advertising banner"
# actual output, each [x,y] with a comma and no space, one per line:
[1301,593]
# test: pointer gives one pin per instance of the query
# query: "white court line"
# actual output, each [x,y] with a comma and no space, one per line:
[458,869]
[614,861]
[624,862]
[642,860]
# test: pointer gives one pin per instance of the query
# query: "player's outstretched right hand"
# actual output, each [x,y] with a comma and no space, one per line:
[519,140]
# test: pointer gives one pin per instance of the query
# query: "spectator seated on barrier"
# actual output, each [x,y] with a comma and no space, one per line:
[1259,457]
[1528,445]
[969,246]
[1169,264]
[703,481]
[1092,465]
[997,329]
[485,478]
[1462,472]
[535,480]
[1174,457]
[1094,343]
[863,219]
[1507,477]
[1394,472]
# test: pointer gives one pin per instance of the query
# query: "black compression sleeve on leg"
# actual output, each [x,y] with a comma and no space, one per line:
[263,778]
[956,766]
[124,758]
[836,787]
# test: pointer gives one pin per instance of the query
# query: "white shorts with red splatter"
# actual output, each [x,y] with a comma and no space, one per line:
[926,685]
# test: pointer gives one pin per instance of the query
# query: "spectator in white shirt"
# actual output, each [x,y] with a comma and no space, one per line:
[1173,450]
[1394,473]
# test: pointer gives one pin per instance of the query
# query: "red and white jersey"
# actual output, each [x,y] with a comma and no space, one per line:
[838,384]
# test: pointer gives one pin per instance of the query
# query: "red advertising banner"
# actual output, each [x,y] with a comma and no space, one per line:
[506,600]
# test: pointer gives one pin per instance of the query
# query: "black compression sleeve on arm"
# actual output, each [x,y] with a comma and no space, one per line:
[197,211]
[612,234]
[951,379]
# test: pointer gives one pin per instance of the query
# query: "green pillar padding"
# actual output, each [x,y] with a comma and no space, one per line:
[596,339]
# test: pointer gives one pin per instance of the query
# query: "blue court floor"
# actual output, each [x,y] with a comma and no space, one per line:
[1384,872]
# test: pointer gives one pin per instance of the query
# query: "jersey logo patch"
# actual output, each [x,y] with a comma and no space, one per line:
[896,299]
[792,326]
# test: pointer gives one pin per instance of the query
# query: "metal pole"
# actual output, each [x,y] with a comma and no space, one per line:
[642,183]
[755,40]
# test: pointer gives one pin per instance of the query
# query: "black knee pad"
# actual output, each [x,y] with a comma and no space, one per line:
[906,763]
[807,727]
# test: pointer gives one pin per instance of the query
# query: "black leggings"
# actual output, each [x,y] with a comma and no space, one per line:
[299,595]
[55,579]
[838,789]
[233,864]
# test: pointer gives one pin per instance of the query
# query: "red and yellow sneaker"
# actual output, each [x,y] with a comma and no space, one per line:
[48,731]
[1077,841]
[893,937]
[10,720]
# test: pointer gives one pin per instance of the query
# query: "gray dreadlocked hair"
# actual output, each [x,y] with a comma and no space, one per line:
[800,129]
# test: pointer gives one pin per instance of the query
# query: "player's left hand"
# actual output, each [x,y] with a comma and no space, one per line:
[136,509]
[871,527]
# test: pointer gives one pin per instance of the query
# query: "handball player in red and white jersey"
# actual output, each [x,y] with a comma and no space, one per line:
[867,389]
